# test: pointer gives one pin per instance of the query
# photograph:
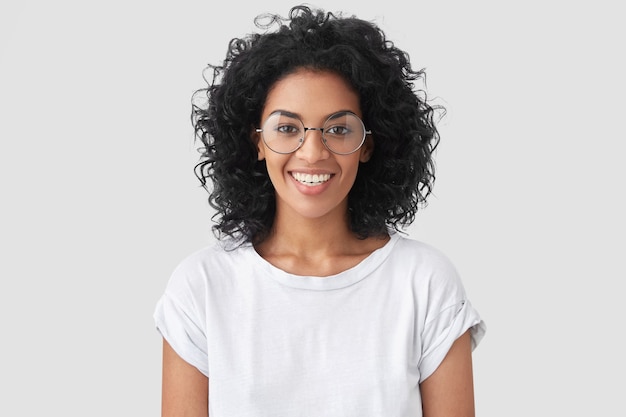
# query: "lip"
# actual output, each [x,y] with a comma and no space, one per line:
[310,171]
[308,189]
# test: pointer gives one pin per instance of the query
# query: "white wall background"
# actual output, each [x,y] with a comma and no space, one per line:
[99,200]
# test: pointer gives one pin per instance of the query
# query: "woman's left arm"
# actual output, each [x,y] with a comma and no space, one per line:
[449,391]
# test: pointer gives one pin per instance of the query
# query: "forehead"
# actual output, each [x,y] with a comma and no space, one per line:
[312,94]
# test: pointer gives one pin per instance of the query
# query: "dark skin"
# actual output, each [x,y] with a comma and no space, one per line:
[185,389]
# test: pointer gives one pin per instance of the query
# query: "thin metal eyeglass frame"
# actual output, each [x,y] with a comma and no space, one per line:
[321,129]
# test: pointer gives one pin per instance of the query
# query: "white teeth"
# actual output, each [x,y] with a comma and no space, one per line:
[309,179]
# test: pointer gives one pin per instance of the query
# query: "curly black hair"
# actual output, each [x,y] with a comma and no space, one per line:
[388,189]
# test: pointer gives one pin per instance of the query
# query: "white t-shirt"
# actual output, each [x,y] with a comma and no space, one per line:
[353,344]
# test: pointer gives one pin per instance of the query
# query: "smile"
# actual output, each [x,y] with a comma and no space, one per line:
[310,180]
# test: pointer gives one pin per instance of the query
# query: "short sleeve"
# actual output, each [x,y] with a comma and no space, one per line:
[180,318]
[441,333]
[449,314]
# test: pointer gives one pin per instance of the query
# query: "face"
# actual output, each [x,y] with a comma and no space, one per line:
[312,182]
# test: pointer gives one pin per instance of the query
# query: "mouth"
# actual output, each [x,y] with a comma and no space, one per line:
[310,180]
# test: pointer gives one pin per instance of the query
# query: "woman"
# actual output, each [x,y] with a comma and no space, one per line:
[317,151]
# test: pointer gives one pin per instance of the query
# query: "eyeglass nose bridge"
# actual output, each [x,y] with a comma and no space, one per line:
[306,129]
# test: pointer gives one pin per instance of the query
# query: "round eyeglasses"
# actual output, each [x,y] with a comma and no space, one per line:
[343,133]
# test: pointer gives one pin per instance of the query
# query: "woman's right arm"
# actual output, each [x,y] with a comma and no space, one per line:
[185,389]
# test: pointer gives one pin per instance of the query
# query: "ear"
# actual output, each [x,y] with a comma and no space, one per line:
[367,149]
[256,139]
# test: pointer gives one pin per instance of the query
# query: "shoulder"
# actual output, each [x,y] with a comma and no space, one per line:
[207,267]
[429,269]
[218,254]
[418,253]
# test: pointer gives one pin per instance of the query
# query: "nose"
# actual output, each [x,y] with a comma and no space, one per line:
[313,148]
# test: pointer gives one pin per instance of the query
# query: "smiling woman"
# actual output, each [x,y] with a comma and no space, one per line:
[317,152]
[312,170]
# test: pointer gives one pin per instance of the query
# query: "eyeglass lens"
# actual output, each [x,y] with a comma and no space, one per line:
[342,133]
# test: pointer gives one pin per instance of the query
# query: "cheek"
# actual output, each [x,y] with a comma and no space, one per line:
[352,166]
[275,167]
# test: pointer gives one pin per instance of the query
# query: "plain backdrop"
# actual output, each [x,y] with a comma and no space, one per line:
[99,199]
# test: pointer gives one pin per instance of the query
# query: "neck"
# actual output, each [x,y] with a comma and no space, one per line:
[315,246]
[311,236]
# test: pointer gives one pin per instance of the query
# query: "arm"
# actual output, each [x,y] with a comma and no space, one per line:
[449,391]
[185,388]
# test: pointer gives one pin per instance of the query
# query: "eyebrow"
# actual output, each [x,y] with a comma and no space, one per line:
[299,116]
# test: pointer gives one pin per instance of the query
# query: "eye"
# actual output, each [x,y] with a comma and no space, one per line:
[338,130]
[288,130]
